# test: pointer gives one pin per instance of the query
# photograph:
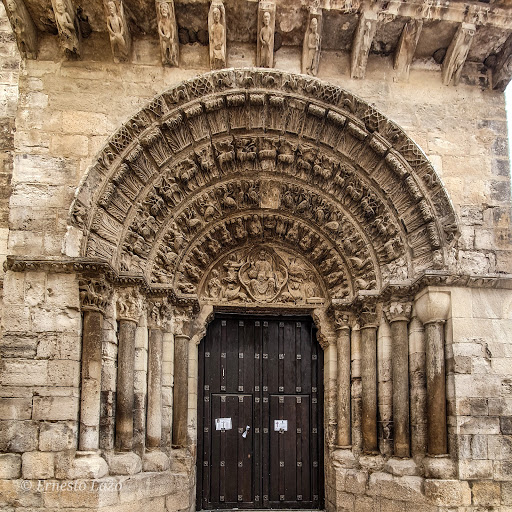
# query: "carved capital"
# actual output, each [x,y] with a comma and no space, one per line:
[433,306]
[368,317]
[129,304]
[342,320]
[94,294]
[398,311]
[155,313]
[183,318]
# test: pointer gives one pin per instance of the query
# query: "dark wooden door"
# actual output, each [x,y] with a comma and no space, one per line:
[260,413]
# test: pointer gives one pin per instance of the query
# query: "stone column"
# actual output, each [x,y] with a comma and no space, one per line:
[154,459]
[180,397]
[398,314]
[432,308]
[355,355]
[369,378]
[384,388]
[418,390]
[129,308]
[94,297]
[343,437]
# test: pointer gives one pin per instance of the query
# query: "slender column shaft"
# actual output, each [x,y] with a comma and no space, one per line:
[400,362]
[91,380]
[180,397]
[418,391]
[343,396]
[330,384]
[125,393]
[369,387]
[436,388]
[355,342]
[385,388]
[154,417]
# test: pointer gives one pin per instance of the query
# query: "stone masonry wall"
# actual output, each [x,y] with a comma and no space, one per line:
[65,113]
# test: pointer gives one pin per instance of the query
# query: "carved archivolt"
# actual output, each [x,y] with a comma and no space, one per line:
[240,159]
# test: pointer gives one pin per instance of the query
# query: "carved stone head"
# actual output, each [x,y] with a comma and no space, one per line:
[164,9]
[266,18]
[314,25]
[216,14]
[11,5]
[112,8]
[59,5]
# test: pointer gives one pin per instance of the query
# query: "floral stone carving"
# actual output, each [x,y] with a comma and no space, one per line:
[263,274]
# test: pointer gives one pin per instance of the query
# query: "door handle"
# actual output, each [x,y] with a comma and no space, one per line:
[246,431]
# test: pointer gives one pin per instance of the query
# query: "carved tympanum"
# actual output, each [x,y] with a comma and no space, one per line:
[263,274]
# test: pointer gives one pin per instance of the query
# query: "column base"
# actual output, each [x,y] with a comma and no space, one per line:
[87,465]
[344,458]
[155,461]
[126,463]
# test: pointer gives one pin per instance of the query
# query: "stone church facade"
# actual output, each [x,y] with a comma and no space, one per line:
[227,286]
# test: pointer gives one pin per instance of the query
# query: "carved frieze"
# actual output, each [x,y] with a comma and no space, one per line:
[94,294]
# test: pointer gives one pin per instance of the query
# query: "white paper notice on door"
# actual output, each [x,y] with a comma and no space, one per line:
[223,424]
[280,425]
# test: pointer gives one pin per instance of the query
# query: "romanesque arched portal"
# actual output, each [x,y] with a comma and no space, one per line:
[262,190]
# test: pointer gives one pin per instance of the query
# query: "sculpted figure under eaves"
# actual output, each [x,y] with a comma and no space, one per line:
[167,33]
[313,48]
[217,41]
[67,30]
[115,26]
[266,40]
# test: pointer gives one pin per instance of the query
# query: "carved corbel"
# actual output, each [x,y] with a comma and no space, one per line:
[363,37]
[94,294]
[117,27]
[129,304]
[457,53]
[23,28]
[406,47]
[167,32]
[217,33]
[68,27]
[312,42]
[266,30]
[502,71]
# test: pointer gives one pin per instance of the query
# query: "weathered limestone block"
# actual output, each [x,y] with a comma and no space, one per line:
[355,481]
[128,463]
[401,467]
[87,465]
[55,408]
[10,465]
[18,436]
[439,467]
[405,488]
[15,408]
[37,465]
[155,461]
[448,493]
[55,437]
[486,494]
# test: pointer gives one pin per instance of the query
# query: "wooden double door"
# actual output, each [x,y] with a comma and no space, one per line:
[260,414]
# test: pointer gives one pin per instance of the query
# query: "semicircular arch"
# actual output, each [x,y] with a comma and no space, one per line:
[329,179]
